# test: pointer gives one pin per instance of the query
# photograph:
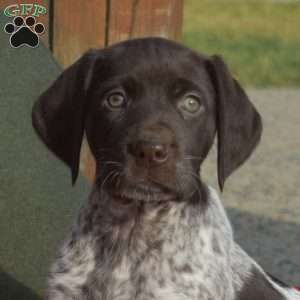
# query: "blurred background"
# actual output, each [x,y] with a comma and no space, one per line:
[259,40]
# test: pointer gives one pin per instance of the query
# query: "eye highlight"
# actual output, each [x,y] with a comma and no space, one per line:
[115,101]
[190,105]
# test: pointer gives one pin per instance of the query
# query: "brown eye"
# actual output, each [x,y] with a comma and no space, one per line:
[115,101]
[190,105]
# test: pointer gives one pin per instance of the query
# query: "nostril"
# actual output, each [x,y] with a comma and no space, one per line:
[160,153]
[148,153]
[141,154]
[138,150]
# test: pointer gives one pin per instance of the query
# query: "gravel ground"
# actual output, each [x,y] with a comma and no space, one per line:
[263,197]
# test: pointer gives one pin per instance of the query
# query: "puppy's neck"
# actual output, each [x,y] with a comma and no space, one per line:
[137,220]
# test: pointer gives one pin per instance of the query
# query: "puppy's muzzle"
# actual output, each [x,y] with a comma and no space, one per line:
[151,156]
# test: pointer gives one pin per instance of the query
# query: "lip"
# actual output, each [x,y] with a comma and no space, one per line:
[143,192]
[124,201]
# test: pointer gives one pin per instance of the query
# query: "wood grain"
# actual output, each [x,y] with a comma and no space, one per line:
[140,18]
[77,27]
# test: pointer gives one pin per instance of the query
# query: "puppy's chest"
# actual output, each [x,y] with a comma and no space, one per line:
[184,266]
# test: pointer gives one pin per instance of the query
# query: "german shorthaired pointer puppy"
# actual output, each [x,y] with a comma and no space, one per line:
[151,229]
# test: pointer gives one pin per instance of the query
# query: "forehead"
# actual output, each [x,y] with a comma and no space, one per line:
[152,60]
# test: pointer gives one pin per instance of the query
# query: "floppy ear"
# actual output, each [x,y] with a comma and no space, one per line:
[239,125]
[58,116]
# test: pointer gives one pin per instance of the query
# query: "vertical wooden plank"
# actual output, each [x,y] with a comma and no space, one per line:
[77,27]
[139,18]
[43,18]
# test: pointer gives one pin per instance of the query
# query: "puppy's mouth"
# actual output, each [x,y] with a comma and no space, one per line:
[143,192]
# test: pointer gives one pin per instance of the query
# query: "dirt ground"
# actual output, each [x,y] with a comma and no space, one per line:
[262,198]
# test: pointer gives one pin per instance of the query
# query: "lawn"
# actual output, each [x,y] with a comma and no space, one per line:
[260,40]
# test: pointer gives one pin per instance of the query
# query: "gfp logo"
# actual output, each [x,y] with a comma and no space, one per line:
[25,9]
[24,30]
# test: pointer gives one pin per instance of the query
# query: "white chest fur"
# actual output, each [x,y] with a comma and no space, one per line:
[192,262]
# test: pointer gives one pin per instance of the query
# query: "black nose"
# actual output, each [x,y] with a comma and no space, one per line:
[147,153]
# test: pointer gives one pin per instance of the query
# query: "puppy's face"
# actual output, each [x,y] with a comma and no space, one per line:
[151,121]
[150,109]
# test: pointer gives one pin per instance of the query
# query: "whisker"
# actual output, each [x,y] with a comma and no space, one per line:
[106,178]
[191,157]
[107,162]
[115,175]
[119,178]
[188,171]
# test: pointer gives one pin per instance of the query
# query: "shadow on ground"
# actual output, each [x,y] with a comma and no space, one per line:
[273,244]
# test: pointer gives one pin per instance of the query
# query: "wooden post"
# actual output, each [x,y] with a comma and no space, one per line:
[137,18]
[77,27]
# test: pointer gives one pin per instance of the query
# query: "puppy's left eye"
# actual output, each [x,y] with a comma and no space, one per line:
[191,105]
[115,101]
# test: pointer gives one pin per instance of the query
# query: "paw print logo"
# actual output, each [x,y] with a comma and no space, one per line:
[24,32]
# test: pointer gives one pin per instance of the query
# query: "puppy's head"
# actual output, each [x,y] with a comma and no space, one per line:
[150,109]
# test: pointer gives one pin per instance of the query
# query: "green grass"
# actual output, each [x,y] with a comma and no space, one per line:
[260,40]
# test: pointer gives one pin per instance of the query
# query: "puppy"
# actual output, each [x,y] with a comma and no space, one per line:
[151,229]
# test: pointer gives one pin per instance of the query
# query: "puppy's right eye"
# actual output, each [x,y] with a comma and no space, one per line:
[115,101]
